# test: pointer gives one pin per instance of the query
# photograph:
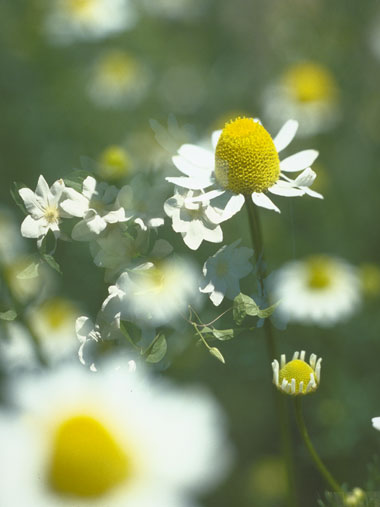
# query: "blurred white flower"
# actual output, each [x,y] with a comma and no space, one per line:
[175,9]
[11,244]
[307,92]
[223,271]
[320,290]
[71,20]
[44,208]
[114,437]
[98,207]
[153,293]
[376,423]
[118,80]
[114,163]
[196,221]
[244,163]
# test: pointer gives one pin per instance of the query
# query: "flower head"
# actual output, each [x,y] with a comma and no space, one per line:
[115,163]
[297,377]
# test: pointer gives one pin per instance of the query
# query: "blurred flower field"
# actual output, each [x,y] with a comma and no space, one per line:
[189,253]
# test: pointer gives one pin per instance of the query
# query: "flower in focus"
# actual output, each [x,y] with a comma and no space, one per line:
[308,92]
[44,206]
[223,271]
[70,20]
[97,206]
[320,290]
[196,221]
[153,293]
[245,162]
[297,376]
[114,437]
[114,163]
[118,80]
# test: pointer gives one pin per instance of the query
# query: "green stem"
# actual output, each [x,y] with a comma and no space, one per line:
[313,453]
[280,402]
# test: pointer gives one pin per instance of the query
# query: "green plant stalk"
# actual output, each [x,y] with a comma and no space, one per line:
[280,403]
[313,453]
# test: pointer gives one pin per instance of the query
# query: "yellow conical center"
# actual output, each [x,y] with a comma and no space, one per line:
[117,68]
[310,82]
[57,312]
[114,163]
[298,370]
[319,272]
[246,159]
[86,460]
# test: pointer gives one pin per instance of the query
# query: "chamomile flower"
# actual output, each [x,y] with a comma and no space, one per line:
[223,271]
[245,163]
[118,80]
[319,290]
[153,293]
[114,163]
[44,206]
[297,377]
[308,92]
[196,221]
[114,437]
[70,20]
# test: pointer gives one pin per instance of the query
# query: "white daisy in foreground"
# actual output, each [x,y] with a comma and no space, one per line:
[320,290]
[98,207]
[196,221]
[44,208]
[153,293]
[307,91]
[70,20]
[245,163]
[297,376]
[111,438]
[223,271]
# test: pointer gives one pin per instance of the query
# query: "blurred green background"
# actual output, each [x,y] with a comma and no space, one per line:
[204,67]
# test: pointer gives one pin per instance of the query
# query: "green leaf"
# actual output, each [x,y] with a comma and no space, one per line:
[17,198]
[49,259]
[219,334]
[243,306]
[157,350]
[48,244]
[216,353]
[30,271]
[75,179]
[131,332]
[267,312]
[9,315]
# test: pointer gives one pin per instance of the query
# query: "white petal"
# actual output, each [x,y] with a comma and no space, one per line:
[312,193]
[263,201]
[298,161]
[89,187]
[190,169]
[376,423]
[197,155]
[31,228]
[214,235]
[190,183]
[285,189]
[234,205]
[75,207]
[215,138]
[33,203]
[306,178]
[286,135]
[207,196]
[81,232]
[42,189]
[216,297]
[95,223]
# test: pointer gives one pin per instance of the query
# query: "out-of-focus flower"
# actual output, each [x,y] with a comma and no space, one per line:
[297,377]
[71,20]
[115,437]
[175,9]
[355,498]
[223,271]
[320,290]
[370,279]
[11,244]
[267,480]
[244,163]
[44,208]
[196,221]
[118,80]
[307,92]
[114,163]
[153,293]
[98,207]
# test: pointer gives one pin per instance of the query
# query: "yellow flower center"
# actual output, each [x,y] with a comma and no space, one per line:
[114,163]
[310,82]
[80,8]
[51,214]
[320,272]
[86,460]
[57,312]
[117,68]
[222,268]
[246,159]
[298,370]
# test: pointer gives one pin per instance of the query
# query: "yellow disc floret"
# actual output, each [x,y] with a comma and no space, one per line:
[298,370]
[320,272]
[310,82]
[86,460]
[246,159]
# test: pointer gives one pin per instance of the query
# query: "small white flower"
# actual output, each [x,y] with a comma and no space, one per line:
[111,438]
[98,207]
[223,271]
[320,290]
[196,221]
[152,294]
[44,208]
[245,163]
[70,20]
[297,377]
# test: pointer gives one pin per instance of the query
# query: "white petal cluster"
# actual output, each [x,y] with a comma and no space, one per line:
[223,271]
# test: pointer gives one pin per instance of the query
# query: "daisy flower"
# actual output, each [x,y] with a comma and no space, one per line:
[320,290]
[44,206]
[297,376]
[196,221]
[115,437]
[114,163]
[223,271]
[245,163]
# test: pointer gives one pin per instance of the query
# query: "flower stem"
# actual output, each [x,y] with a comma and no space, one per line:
[313,453]
[280,402]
